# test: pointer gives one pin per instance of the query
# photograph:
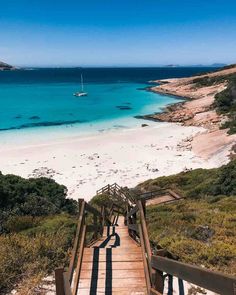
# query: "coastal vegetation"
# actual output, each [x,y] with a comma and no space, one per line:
[201,228]
[225,101]
[37,226]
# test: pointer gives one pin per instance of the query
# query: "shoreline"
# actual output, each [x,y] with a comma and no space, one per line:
[196,110]
[126,156]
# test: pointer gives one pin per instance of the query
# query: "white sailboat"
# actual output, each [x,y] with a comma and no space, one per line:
[81,93]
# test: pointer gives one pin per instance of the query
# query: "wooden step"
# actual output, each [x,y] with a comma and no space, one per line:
[114,257]
[113,283]
[117,291]
[118,250]
[115,273]
[115,265]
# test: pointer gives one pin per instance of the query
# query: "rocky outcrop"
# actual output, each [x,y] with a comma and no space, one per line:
[198,106]
[6,67]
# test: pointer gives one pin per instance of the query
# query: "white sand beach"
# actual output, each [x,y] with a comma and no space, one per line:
[128,156]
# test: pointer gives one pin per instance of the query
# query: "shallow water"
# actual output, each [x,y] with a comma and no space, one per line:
[43,98]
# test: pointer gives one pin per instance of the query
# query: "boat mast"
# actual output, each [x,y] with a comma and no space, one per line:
[82,83]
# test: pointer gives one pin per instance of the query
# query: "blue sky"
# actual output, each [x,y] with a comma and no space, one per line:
[122,33]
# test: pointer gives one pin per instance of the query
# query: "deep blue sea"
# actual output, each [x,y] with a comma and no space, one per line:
[43,98]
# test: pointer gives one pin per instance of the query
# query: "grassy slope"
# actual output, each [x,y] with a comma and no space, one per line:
[36,251]
[202,228]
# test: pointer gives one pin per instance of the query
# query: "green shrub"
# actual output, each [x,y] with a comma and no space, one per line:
[225,103]
[197,231]
[24,195]
[36,251]
[15,224]
[199,183]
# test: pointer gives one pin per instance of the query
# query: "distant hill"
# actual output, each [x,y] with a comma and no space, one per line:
[4,66]
[215,65]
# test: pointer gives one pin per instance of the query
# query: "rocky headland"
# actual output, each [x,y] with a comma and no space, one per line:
[6,67]
[198,108]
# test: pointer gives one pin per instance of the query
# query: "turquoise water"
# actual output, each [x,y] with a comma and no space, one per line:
[33,105]
[43,98]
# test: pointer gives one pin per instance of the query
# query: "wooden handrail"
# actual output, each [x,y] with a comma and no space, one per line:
[146,268]
[76,241]
[152,194]
[210,280]
[78,267]
[116,191]
[67,280]
[132,211]
[92,210]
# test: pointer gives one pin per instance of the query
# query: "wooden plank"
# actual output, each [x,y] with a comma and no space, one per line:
[116,283]
[213,281]
[115,265]
[116,291]
[174,194]
[116,273]
[154,292]
[119,250]
[115,258]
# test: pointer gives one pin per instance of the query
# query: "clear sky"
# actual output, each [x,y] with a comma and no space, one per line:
[117,32]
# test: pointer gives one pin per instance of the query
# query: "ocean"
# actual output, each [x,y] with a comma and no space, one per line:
[42,99]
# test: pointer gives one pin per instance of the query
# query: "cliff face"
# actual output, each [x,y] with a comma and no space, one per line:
[5,67]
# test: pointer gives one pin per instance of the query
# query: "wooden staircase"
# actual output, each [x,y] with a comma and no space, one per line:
[112,253]
[113,265]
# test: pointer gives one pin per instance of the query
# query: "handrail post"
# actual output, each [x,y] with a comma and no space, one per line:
[146,240]
[80,201]
[59,281]
[95,222]
[102,219]
[144,207]
[79,263]
[158,280]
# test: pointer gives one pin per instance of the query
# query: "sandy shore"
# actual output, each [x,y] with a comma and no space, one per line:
[126,157]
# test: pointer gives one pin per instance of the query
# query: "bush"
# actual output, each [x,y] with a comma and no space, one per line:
[34,197]
[197,231]
[16,191]
[35,252]
[225,103]
[15,224]
[199,183]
